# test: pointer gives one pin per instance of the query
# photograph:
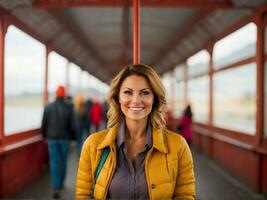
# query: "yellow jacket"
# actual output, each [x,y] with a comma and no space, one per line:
[168,166]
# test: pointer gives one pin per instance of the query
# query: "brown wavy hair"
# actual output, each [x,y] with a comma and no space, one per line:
[157,115]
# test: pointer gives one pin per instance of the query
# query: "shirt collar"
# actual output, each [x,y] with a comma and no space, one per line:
[158,139]
[121,135]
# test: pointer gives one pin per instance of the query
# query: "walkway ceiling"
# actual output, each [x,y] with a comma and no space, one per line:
[97,34]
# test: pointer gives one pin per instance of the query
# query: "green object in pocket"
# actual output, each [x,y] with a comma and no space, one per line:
[100,166]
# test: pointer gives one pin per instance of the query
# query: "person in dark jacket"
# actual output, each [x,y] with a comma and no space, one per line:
[58,126]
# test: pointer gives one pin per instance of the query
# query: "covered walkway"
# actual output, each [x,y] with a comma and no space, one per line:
[213,183]
[211,54]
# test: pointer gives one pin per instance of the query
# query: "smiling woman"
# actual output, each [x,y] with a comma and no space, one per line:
[139,155]
[136,98]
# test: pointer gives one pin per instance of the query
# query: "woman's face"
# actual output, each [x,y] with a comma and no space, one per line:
[136,98]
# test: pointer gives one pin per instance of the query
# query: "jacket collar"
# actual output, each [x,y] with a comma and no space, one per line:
[109,138]
[158,138]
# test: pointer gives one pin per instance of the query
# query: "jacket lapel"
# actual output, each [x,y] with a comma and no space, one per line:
[159,141]
[109,138]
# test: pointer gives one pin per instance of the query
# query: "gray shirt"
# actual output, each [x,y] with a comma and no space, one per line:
[129,179]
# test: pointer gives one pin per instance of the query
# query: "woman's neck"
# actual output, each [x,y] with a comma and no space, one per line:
[135,129]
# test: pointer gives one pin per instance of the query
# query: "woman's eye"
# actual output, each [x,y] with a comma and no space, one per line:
[127,92]
[145,93]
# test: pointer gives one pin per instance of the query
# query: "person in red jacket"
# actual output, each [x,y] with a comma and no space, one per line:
[96,114]
[185,123]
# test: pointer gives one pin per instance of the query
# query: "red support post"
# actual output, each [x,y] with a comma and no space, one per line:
[186,83]
[260,79]
[56,4]
[48,50]
[211,88]
[2,74]
[136,31]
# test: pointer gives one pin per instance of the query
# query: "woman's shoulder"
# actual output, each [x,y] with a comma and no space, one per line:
[174,138]
[96,138]
[172,134]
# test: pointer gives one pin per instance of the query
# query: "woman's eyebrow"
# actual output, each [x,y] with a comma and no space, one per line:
[127,88]
[133,89]
[145,89]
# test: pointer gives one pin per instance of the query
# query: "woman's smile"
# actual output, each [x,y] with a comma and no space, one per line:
[136,98]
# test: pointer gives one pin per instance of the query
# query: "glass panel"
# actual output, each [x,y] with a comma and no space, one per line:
[24,81]
[237,46]
[179,99]
[179,72]
[97,89]
[166,80]
[198,63]
[57,73]
[85,82]
[198,95]
[75,75]
[235,99]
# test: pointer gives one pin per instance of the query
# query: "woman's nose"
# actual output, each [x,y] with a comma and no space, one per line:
[136,98]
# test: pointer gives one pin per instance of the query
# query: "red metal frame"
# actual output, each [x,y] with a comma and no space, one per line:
[11,139]
[236,64]
[183,32]
[48,4]
[2,73]
[87,44]
[233,134]
[126,35]
[260,78]
[47,51]
[211,69]
[265,115]
[249,139]
[213,40]
[136,31]
[6,20]
[186,83]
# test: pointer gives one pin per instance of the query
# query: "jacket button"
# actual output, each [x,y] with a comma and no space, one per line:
[153,186]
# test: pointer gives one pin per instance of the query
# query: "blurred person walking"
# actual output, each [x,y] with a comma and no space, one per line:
[69,100]
[185,123]
[58,126]
[96,114]
[105,109]
[82,121]
[88,105]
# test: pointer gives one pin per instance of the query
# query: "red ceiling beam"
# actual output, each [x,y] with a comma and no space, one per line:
[84,42]
[67,26]
[136,31]
[125,35]
[202,4]
[182,33]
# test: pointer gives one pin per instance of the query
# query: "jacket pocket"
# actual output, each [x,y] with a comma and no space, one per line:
[162,191]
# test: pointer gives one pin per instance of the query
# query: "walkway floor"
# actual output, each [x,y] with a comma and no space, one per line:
[212,183]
